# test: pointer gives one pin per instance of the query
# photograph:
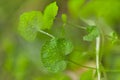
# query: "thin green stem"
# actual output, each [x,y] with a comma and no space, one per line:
[80,27]
[43,32]
[81,65]
[104,70]
[111,70]
[97,57]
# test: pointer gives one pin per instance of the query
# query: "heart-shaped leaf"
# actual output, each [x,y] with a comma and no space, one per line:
[29,23]
[52,56]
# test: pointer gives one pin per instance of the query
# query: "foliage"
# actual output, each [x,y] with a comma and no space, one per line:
[69,45]
[31,22]
[49,15]
[93,32]
[53,54]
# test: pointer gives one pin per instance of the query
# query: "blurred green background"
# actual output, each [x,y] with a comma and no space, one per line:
[19,59]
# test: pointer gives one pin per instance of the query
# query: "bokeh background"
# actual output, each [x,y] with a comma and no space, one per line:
[20,60]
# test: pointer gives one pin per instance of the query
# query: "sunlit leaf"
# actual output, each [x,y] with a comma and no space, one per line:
[49,15]
[29,23]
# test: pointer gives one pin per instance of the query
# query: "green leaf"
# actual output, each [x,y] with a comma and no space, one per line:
[87,75]
[52,56]
[64,18]
[29,23]
[49,15]
[52,60]
[93,32]
[65,46]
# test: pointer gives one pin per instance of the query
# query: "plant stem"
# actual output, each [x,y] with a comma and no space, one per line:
[80,27]
[81,65]
[97,57]
[43,32]
[111,70]
[104,70]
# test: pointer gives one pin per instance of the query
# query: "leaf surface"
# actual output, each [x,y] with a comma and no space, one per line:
[53,55]
[49,15]
[29,23]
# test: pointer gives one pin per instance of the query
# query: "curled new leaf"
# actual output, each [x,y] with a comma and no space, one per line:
[29,23]
[93,32]
[52,56]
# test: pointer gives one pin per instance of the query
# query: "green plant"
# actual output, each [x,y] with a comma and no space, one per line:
[55,51]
